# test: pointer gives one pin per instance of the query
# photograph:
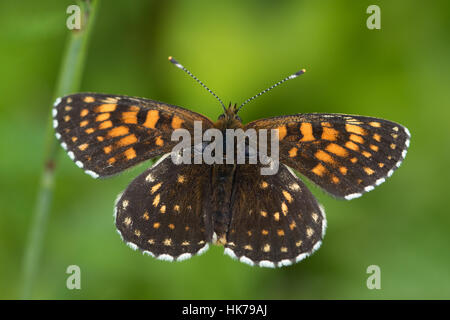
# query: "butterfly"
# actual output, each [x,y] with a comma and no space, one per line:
[174,211]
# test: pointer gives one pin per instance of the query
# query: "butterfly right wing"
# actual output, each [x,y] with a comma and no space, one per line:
[276,221]
[106,134]
[161,212]
[346,155]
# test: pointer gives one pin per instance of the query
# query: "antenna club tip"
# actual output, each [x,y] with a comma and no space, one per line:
[170,58]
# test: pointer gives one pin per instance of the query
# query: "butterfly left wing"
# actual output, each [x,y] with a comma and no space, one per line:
[346,155]
[275,220]
[106,134]
[161,212]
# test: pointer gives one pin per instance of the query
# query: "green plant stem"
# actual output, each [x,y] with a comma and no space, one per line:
[68,82]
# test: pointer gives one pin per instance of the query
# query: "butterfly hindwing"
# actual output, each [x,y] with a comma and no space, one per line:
[106,134]
[344,154]
[161,211]
[275,220]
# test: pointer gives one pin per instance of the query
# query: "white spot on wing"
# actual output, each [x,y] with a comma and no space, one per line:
[148,253]
[58,136]
[132,245]
[266,264]
[300,257]
[79,164]
[184,256]
[284,263]
[353,196]
[230,253]
[55,123]
[324,220]
[92,174]
[203,250]
[407,132]
[165,257]
[246,260]
[57,101]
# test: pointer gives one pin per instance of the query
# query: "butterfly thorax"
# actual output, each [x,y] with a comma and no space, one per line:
[229,119]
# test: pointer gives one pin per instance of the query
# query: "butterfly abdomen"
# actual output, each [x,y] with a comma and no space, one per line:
[222,178]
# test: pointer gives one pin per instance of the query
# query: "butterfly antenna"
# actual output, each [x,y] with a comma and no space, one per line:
[292,76]
[180,66]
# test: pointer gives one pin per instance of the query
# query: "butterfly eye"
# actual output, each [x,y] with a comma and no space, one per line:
[221,117]
[238,118]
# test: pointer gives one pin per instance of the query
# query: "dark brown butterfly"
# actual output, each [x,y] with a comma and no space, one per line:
[175,211]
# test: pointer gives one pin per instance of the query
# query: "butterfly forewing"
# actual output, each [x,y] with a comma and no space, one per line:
[276,221]
[161,212]
[106,134]
[344,154]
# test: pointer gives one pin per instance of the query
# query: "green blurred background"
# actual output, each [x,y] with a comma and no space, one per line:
[400,73]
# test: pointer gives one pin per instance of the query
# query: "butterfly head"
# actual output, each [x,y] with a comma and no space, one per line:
[229,119]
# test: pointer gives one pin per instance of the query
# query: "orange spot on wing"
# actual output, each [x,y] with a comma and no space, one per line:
[337,150]
[356,138]
[130,153]
[176,122]
[83,146]
[368,171]
[343,170]
[89,99]
[102,117]
[105,125]
[329,134]
[319,170]
[111,160]
[306,130]
[125,141]
[366,154]
[354,160]
[323,156]
[84,112]
[377,137]
[351,145]
[107,149]
[129,117]
[159,141]
[375,124]
[151,119]
[89,131]
[282,131]
[374,147]
[335,179]
[118,131]
[107,107]
[293,152]
[355,129]
[84,123]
